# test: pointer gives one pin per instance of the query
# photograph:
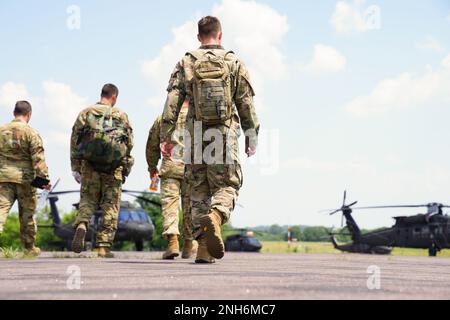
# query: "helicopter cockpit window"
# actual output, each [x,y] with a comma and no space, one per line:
[253,241]
[433,210]
[136,216]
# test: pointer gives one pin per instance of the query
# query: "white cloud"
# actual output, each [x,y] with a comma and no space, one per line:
[57,106]
[357,166]
[406,90]
[184,38]
[61,104]
[353,17]
[326,59]
[12,92]
[432,44]
[256,41]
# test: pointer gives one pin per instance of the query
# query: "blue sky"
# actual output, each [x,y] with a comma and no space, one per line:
[354,106]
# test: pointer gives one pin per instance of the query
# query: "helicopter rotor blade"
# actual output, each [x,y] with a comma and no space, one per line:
[335,211]
[63,192]
[392,207]
[153,202]
[352,204]
[345,198]
[140,192]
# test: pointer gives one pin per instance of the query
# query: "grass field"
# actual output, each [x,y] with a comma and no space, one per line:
[325,247]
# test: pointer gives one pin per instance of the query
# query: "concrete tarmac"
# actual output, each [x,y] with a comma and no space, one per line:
[237,276]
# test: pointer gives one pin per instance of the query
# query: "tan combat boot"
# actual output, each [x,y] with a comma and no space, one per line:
[104,252]
[32,251]
[190,248]
[78,239]
[173,248]
[211,228]
[203,256]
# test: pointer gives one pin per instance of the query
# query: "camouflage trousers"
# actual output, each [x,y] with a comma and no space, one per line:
[172,191]
[100,191]
[26,196]
[213,187]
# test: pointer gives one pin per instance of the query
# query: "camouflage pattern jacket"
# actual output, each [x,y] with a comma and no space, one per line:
[180,88]
[78,129]
[170,168]
[21,153]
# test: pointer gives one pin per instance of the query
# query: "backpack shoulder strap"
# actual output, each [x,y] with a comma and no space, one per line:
[197,54]
[226,53]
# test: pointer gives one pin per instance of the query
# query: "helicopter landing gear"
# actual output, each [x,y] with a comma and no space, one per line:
[433,250]
[139,244]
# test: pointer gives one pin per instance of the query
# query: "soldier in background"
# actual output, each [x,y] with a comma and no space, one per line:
[173,188]
[21,161]
[217,85]
[101,144]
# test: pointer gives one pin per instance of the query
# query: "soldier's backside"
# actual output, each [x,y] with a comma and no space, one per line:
[218,87]
[21,161]
[173,188]
[101,145]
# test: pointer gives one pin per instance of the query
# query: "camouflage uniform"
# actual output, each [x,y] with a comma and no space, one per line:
[173,183]
[21,160]
[212,186]
[100,190]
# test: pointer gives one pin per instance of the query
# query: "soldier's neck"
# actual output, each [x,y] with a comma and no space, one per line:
[106,102]
[211,42]
[21,119]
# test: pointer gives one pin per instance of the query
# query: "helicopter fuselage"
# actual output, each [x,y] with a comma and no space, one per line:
[419,231]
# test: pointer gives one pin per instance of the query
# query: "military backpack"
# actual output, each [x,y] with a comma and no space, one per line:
[103,142]
[211,86]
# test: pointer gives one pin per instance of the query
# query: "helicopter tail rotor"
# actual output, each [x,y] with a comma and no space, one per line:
[345,208]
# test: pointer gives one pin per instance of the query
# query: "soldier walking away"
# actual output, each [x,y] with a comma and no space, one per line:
[101,144]
[218,88]
[21,161]
[174,187]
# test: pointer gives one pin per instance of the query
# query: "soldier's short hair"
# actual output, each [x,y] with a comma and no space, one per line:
[22,108]
[109,90]
[209,27]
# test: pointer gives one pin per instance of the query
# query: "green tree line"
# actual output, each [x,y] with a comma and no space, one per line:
[46,239]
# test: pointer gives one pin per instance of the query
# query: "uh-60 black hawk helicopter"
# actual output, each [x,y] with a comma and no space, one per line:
[243,241]
[422,231]
[134,223]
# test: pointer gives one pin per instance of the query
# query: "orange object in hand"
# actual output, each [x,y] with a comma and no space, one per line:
[154,186]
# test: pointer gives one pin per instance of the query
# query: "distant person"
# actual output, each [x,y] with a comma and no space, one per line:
[174,188]
[21,161]
[101,144]
[218,88]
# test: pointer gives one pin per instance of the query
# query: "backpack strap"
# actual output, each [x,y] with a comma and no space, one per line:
[198,54]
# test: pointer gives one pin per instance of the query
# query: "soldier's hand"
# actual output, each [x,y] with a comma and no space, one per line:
[250,148]
[250,151]
[77,176]
[166,150]
[154,174]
